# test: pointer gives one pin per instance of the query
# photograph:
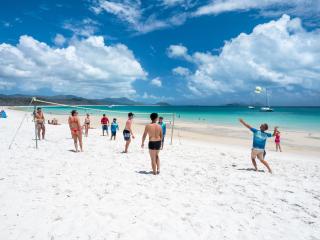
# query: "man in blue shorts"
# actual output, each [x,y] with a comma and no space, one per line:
[259,143]
[104,124]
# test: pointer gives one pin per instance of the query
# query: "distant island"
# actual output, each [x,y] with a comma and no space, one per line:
[22,100]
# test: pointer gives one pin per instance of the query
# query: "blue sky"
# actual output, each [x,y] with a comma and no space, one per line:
[180,51]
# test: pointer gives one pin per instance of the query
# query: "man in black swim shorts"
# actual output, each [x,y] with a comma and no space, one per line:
[127,132]
[154,131]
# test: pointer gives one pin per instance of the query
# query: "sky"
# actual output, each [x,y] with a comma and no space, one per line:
[186,52]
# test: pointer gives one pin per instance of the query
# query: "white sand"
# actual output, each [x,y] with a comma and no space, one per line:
[204,190]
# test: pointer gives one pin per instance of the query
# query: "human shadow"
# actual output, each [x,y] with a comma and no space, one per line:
[144,172]
[249,169]
[72,150]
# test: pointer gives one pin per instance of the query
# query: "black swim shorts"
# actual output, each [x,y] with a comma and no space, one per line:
[154,145]
[126,135]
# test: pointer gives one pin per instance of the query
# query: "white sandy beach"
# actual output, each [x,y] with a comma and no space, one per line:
[206,189]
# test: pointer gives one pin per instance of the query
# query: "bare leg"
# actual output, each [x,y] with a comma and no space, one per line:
[127,146]
[264,162]
[157,161]
[43,131]
[75,141]
[280,148]
[254,164]
[80,141]
[153,161]
[38,131]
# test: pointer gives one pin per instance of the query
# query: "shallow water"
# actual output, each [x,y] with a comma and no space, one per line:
[294,118]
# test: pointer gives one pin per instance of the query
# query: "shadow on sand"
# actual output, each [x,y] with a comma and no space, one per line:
[144,172]
[249,169]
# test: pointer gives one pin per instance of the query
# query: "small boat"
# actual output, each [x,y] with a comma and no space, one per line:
[251,107]
[266,109]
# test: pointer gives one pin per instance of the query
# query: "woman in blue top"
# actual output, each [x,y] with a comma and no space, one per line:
[259,143]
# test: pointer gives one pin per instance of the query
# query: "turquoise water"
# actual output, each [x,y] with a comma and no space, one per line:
[294,118]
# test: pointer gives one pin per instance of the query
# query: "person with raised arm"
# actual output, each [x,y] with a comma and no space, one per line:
[259,143]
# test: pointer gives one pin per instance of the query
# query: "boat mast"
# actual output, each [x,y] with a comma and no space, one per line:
[267,98]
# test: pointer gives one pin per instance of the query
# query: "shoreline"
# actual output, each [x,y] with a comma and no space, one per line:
[183,121]
[296,142]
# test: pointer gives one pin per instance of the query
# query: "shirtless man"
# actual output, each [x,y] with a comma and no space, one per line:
[127,132]
[154,131]
[76,130]
[39,120]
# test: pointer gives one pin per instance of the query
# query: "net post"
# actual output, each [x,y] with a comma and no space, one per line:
[172,127]
[35,125]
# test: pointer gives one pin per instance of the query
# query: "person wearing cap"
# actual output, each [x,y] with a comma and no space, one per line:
[127,132]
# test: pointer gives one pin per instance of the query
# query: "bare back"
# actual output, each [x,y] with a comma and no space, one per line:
[154,131]
[128,124]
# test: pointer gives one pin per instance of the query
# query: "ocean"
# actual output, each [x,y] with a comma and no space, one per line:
[291,118]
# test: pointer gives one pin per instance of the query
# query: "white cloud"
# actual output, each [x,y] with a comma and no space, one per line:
[152,98]
[59,40]
[162,14]
[88,67]
[278,53]
[132,13]
[156,82]
[178,51]
[181,71]
[309,9]
[171,3]
[86,28]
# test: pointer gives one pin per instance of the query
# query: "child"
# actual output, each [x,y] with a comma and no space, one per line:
[259,143]
[114,128]
[277,140]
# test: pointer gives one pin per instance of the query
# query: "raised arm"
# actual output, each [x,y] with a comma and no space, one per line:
[244,123]
[275,131]
[144,136]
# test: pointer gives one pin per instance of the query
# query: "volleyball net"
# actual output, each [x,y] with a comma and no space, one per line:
[49,107]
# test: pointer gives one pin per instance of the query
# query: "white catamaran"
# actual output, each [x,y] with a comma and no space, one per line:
[267,108]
